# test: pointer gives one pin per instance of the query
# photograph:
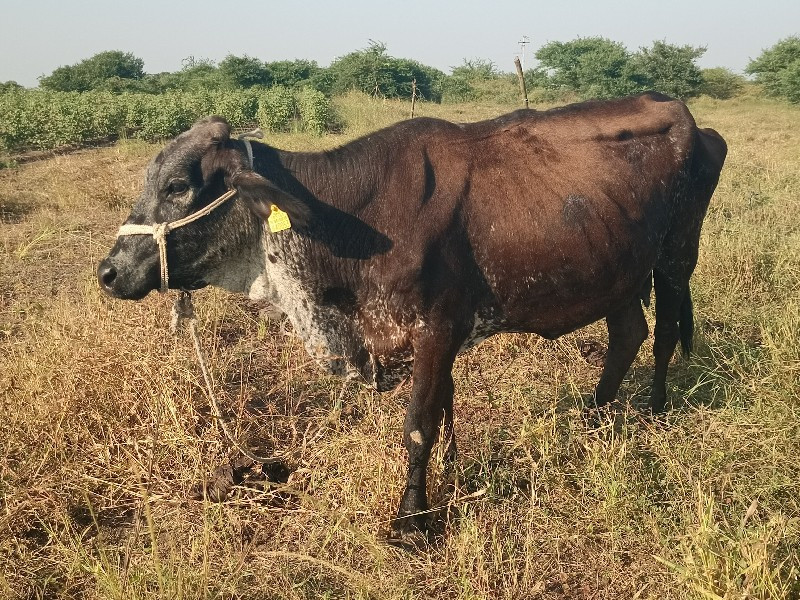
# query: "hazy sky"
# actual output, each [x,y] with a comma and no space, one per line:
[38,36]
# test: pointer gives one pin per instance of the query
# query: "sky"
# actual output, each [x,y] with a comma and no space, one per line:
[38,36]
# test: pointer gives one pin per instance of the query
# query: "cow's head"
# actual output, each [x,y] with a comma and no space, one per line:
[196,168]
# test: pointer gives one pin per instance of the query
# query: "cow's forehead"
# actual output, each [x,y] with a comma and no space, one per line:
[175,159]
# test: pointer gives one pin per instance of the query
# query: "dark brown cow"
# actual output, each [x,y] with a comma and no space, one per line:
[417,241]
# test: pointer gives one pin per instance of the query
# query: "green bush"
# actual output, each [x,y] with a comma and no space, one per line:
[92,73]
[17,119]
[592,67]
[457,89]
[276,108]
[244,71]
[668,69]
[601,68]
[480,80]
[315,110]
[790,82]
[374,72]
[778,69]
[239,108]
[42,119]
[294,73]
[721,83]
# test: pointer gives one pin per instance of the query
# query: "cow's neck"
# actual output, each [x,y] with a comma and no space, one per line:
[313,276]
[245,272]
[254,271]
[345,179]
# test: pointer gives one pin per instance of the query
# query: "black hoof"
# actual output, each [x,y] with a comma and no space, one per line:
[410,531]
[596,417]
[408,540]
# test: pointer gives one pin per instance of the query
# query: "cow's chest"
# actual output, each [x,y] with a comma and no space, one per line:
[342,337]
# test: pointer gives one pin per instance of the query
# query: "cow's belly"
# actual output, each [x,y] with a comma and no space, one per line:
[564,302]
[552,292]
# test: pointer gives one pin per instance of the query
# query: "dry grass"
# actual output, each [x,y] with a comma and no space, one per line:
[107,440]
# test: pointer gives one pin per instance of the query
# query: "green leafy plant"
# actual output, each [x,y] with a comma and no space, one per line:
[276,108]
[778,69]
[315,110]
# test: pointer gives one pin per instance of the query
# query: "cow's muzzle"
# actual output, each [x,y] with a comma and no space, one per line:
[113,283]
[106,274]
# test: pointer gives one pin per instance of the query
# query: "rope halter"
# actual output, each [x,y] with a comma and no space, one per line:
[159,231]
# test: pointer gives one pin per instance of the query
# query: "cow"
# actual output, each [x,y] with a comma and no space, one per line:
[411,244]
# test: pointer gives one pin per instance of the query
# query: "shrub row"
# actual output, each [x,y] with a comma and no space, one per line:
[38,119]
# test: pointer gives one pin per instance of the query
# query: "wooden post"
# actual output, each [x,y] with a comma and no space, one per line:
[523,90]
[413,96]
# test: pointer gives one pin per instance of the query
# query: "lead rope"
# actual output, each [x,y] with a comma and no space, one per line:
[183,308]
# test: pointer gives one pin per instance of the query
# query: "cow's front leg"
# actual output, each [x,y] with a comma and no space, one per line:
[431,395]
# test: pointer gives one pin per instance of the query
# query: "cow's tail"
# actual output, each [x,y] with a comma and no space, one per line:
[686,323]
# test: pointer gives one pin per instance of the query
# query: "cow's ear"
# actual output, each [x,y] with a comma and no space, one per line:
[261,194]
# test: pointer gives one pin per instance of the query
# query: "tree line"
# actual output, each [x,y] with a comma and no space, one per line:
[591,67]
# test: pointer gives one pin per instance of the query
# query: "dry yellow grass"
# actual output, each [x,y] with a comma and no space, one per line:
[107,440]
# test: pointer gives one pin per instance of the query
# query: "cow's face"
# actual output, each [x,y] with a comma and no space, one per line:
[197,167]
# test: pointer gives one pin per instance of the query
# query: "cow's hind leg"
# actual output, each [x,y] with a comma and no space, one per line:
[674,321]
[431,398]
[627,329]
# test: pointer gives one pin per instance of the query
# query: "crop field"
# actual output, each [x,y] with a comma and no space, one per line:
[115,482]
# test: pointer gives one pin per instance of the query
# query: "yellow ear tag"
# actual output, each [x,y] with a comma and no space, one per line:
[278,220]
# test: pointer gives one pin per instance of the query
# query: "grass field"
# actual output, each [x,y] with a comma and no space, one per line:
[107,441]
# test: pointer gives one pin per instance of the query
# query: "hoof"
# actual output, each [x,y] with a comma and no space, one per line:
[410,541]
[658,406]
[409,532]
[596,417]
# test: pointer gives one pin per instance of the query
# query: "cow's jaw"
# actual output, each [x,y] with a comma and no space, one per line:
[245,273]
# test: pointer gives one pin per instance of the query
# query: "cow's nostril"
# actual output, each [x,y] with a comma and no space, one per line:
[107,275]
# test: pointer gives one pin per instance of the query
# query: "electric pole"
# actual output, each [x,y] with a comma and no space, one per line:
[522,43]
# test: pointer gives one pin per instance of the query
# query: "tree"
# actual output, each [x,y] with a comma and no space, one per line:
[196,74]
[475,69]
[244,71]
[374,72]
[668,69]
[92,73]
[474,79]
[790,82]
[721,83]
[778,69]
[366,70]
[9,86]
[428,79]
[593,67]
[293,73]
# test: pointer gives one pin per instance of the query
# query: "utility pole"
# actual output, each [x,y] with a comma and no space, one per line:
[522,43]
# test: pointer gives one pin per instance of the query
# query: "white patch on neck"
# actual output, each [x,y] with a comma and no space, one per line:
[333,339]
[245,274]
[320,327]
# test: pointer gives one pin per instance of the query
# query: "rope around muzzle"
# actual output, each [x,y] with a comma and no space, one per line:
[159,231]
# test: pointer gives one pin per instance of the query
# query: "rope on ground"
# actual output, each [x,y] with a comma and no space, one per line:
[182,310]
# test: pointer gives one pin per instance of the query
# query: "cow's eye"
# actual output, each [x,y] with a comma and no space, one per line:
[176,188]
